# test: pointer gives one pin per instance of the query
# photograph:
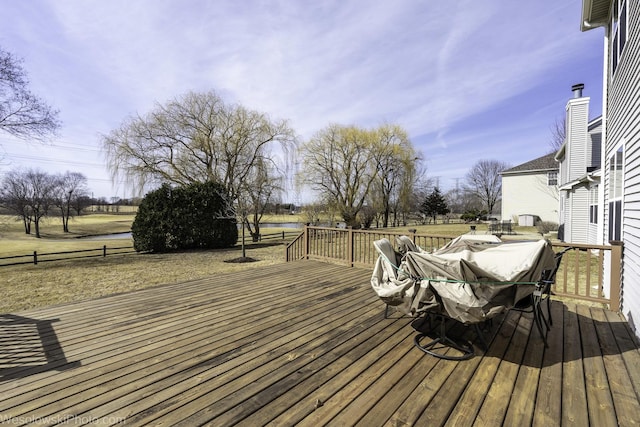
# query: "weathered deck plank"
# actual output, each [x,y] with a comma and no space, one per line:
[304,343]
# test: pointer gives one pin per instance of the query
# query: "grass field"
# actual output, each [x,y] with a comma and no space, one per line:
[29,286]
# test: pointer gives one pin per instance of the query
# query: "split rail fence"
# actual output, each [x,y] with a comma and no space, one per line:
[37,257]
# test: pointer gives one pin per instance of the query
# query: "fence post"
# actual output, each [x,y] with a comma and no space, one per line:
[104,251]
[614,275]
[35,257]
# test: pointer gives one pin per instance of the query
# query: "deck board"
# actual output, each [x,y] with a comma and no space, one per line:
[304,343]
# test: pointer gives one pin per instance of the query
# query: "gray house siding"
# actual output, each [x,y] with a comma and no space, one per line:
[623,129]
[595,140]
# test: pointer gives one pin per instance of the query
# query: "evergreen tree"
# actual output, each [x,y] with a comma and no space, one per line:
[195,216]
[434,205]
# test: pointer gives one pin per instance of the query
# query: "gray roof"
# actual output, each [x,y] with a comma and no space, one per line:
[544,163]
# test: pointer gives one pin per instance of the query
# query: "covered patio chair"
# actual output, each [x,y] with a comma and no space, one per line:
[468,280]
[533,303]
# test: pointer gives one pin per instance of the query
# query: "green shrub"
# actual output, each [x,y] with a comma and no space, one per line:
[545,227]
[473,215]
[190,217]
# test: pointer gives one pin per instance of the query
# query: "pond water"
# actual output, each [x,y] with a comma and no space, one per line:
[127,235]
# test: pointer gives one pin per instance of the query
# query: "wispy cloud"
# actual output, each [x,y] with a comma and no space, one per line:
[443,70]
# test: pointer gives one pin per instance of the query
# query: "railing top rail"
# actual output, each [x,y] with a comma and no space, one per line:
[582,246]
[381,232]
[298,237]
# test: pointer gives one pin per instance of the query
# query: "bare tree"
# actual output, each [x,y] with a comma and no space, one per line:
[395,160]
[14,196]
[260,188]
[558,134]
[339,164]
[70,188]
[194,138]
[29,195]
[22,114]
[485,182]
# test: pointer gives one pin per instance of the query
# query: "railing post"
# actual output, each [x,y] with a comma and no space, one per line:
[306,241]
[615,274]
[413,232]
[350,251]
[35,257]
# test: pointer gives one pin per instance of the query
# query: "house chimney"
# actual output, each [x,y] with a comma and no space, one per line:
[577,90]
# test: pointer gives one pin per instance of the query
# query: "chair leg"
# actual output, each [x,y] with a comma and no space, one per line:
[541,314]
[483,342]
[537,313]
[549,309]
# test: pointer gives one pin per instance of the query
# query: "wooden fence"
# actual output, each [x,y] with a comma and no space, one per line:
[582,274]
[35,257]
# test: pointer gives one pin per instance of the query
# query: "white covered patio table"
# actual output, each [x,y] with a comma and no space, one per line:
[472,279]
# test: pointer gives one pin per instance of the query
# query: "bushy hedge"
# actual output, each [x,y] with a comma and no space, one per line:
[190,217]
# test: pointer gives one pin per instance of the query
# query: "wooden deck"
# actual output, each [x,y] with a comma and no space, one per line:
[303,343]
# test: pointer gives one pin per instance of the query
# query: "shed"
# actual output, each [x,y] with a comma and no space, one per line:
[527,220]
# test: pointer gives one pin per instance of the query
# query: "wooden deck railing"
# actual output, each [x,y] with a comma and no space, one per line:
[582,274]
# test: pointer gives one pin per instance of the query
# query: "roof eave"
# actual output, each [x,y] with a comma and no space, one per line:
[595,13]
[530,171]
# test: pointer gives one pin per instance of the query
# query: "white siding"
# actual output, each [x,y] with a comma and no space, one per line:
[577,137]
[592,236]
[529,194]
[579,216]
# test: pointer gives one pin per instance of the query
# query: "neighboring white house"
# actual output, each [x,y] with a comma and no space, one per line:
[580,213]
[621,137]
[530,191]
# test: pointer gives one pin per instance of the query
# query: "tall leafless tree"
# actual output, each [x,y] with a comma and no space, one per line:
[558,134]
[395,160]
[261,187]
[194,138]
[70,188]
[14,196]
[22,114]
[339,164]
[354,168]
[28,194]
[484,181]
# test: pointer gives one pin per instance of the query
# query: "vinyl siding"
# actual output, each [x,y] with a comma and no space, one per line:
[595,146]
[568,214]
[577,137]
[579,216]
[623,127]
[592,236]
[529,194]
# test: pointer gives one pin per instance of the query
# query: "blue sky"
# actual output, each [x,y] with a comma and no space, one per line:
[468,80]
